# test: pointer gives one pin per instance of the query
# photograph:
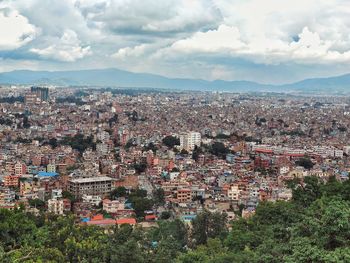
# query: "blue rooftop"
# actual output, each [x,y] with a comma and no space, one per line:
[188,217]
[47,174]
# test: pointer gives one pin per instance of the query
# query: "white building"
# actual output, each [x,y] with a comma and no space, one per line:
[103,136]
[92,199]
[51,168]
[112,206]
[103,148]
[233,193]
[55,206]
[284,169]
[338,153]
[189,140]
[56,194]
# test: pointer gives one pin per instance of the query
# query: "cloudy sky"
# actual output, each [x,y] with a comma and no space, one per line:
[268,41]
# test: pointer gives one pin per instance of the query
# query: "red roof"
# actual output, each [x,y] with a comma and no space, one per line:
[97,217]
[130,221]
[102,222]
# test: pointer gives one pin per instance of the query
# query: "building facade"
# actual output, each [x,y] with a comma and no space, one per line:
[99,185]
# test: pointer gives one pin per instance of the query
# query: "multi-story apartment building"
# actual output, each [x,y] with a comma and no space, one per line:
[189,140]
[233,193]
[99,185]
[92,199]
[51,168]
[41,92]
[112,206]
[103,136]
[184,195]
[55,206]
[20,168]
[7,196]
[11,180]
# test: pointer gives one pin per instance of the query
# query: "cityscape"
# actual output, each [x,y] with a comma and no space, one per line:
[174,132]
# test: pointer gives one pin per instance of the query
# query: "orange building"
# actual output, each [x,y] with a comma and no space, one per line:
[184,195]
[11,180]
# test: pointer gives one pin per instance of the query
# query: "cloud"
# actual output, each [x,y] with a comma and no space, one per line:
[67,48]
[308,47]
[126,52]
[15,30]
[224,38]
[231,39]
[152,17]
[311,48]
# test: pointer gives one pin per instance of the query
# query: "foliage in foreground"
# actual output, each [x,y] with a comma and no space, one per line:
[313,227]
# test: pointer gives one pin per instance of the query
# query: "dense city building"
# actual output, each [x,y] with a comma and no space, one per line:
[80,150]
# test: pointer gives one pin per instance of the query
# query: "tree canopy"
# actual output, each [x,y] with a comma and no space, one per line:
[171,141]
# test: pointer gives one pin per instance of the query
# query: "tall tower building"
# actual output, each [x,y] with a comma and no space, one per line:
[41,92]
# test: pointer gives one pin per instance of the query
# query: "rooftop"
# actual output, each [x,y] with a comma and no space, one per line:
[91,179]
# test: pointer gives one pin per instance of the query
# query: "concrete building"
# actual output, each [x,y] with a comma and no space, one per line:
[92,199]
[51,168]
[184,195]
[234,193]
[41,92]
[31,98]
[99,185]
[189,140]
[56,193]
[55,206]
[112,206]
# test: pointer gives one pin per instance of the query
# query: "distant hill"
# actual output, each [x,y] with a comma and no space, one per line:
[121,78]
[338,84]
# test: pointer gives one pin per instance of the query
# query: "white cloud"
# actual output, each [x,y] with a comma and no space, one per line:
[262,32]
[126,52]
[67,48]
[15,30]
[224,38]
[192,38]
[151,17]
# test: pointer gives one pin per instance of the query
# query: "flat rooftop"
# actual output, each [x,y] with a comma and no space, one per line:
[91,179]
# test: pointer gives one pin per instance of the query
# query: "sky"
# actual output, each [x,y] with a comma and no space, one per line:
[267,41]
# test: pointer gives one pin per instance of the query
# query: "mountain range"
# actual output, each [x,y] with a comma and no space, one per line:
[121,78]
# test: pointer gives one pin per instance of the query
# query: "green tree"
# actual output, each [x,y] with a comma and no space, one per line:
[331,230]
[37,203]
[53,143]
[219,149]
[120,191]
[305,162]
[158,196]
[140,205]
[308,191]
[165,215]
[68,195]
[208,225]
[171,141]
[196,152]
